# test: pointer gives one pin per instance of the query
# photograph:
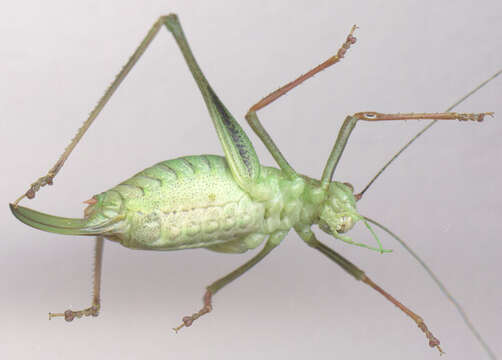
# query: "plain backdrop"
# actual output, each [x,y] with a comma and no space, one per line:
[442,195]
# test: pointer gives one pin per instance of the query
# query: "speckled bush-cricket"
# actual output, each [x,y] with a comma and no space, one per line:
[227,204]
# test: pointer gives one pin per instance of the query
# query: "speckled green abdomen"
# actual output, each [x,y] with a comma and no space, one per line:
[187,202]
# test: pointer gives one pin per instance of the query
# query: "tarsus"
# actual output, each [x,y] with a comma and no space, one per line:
[459,101]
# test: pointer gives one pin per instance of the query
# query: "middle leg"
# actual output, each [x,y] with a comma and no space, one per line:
[272,242]
[255,123]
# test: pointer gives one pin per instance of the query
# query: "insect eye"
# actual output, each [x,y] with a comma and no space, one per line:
[349,185]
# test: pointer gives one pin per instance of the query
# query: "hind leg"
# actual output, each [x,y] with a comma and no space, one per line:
[93,310]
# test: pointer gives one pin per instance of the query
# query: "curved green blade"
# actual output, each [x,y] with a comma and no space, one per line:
[55,224]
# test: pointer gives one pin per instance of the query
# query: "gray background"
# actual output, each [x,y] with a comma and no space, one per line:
[442,196]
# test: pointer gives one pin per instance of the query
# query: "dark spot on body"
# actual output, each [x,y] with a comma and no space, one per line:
[234,130]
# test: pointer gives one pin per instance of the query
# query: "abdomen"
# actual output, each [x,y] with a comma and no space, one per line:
[187,202]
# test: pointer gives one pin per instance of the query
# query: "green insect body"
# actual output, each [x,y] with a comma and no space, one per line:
[227,204]
[194,201]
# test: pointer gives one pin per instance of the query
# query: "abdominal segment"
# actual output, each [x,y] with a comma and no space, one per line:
[198,227]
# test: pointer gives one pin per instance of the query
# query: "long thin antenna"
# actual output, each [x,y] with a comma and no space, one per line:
[462,99]
[441,286]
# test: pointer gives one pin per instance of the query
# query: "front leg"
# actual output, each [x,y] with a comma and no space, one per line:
[309,237]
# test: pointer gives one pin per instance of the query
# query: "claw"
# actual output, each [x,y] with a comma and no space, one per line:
[188,320]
